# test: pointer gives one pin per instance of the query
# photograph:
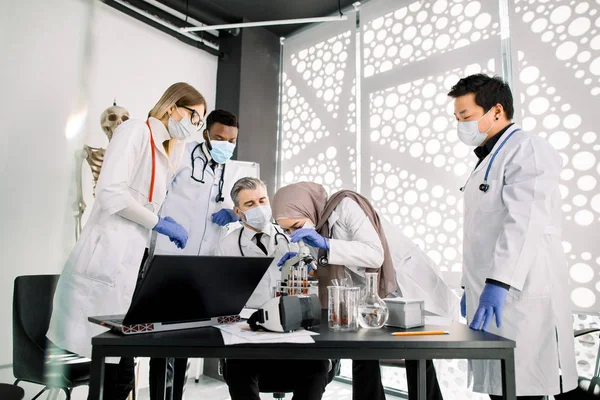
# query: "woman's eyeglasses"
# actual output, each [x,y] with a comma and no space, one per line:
[195,119]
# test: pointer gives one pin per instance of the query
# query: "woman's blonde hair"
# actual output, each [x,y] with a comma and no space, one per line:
[178,94]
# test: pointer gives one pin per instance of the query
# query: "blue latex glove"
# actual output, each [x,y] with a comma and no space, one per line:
[463,305]
[176,233]
[491,303]
[286,256]
[310,237]
[224,217]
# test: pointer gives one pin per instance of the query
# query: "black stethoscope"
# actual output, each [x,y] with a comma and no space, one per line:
[277,232]
[485,186]
[219,197]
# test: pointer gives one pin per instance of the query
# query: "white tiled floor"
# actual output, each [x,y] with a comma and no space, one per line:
[213,389]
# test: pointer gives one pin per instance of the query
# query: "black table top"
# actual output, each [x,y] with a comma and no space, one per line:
[460,337]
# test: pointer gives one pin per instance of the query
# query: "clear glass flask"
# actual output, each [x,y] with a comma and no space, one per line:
[372,310]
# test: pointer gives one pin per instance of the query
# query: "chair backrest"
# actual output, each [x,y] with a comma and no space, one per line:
[32,308]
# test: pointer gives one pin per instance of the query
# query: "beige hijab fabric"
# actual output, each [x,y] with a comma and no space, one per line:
[299,200]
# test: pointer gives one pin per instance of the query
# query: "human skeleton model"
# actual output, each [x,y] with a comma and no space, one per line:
[110,119]
[294,273]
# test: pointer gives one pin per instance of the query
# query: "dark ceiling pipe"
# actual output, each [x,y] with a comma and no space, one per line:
[195,12]
[169,19]
[200,14]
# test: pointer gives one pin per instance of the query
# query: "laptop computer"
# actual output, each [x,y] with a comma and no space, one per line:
[183,292]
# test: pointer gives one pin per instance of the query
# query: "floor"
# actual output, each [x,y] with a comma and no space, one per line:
[213,389]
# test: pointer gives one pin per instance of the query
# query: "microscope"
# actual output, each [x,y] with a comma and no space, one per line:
[294,273]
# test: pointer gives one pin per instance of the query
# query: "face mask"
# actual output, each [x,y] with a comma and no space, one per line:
[221,151]
[314,252]
[468,131]
[258,217]
[181,130]
[308,225]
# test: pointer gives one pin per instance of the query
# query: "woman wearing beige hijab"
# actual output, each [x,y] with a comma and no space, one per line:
[348,237]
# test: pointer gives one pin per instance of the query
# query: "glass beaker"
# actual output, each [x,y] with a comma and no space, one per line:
[343,308]
[373,313]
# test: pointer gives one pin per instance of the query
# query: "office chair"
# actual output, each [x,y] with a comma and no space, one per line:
[11,392]
[587,389]
[32,352]
[279,386]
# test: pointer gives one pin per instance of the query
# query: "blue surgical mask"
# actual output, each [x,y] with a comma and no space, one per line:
[221,151]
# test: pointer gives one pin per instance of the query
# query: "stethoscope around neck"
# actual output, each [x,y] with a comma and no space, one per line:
[219,197]
[277,232]
[485,186]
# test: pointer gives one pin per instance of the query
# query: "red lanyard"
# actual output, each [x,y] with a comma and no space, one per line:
[151,194]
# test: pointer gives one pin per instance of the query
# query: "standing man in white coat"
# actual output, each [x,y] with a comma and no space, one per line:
[259,237]
[195,196]
[100,274]
[514,268]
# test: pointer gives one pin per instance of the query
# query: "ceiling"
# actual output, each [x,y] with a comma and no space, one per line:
[230,11]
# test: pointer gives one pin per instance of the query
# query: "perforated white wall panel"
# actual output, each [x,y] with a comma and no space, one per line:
[401,129]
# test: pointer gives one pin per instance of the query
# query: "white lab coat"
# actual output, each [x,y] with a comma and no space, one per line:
[100,274]
[355,243]
[512,234]
[192,203]
[277,245]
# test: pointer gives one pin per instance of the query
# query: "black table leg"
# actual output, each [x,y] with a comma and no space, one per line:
[161,373]
[421,380]
[96,376]
[509,391]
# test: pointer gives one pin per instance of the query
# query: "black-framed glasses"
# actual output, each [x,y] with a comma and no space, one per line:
[195,119]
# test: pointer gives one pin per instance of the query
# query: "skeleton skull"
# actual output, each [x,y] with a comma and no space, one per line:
[111,118]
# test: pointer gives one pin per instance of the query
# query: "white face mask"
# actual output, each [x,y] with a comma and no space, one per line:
[314,252]
[308,225]
[181,130]
[258,217]
[468,131]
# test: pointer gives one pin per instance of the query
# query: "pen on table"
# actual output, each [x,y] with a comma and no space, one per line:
[421,333]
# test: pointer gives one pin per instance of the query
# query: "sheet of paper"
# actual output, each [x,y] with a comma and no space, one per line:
[240,332]
[232,339]
[436,320]
[227,337]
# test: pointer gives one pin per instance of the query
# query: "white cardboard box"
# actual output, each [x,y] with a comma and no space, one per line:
[405,313]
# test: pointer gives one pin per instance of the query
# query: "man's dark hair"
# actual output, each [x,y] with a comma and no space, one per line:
[489,91]
[223,117]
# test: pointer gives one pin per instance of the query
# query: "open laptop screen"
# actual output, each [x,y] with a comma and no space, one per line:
[193,288]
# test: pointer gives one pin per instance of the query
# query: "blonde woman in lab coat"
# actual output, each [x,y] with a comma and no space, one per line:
[350,237]
[100,274]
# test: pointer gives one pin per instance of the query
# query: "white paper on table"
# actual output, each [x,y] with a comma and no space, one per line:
[437,320]
[239,340]
[227,338]
[240,332]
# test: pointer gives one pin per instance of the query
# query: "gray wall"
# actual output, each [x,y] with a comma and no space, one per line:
[248,85]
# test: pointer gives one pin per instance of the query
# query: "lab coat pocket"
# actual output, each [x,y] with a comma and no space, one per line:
[101,259]
[492,199]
